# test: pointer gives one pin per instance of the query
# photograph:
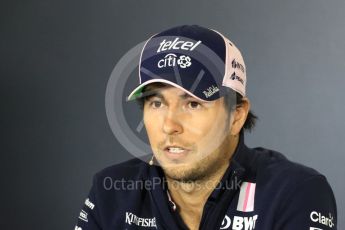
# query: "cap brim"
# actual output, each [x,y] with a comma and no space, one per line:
[137,92]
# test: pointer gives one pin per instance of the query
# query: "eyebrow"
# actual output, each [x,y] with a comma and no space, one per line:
[185,96]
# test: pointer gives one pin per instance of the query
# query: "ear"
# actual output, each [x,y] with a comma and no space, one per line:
[239,116]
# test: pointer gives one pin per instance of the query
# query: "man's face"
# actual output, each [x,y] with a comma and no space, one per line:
[189,138]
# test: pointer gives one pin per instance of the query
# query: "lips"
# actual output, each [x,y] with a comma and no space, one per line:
[176,152]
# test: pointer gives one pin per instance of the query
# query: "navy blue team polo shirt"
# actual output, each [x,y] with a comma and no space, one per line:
[261,190]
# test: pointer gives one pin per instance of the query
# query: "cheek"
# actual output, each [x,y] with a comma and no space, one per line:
[152,123]
[213,142]
[213,132]
[206,124]
[197,126]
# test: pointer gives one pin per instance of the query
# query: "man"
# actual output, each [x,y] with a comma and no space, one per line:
[201,175]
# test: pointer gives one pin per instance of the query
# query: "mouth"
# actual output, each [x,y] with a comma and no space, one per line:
[176,152]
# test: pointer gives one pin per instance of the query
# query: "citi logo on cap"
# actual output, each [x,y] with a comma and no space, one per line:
[169,60]
[177,44]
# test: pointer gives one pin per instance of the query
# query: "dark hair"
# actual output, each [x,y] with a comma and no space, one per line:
[229,105]
[250,122]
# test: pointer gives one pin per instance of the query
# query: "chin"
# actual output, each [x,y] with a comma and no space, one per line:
[186,173]
[188,170]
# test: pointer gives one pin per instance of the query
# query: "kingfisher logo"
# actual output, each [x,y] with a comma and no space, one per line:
[177,45]
[239,222]
[139,221]
[171,60]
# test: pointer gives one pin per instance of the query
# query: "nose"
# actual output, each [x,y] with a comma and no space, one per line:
[171,124]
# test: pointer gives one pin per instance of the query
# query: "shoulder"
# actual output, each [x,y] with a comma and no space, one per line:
[113,190]
[133,169]
[299,195]
[119,181]
[290,180]
[272,163]
[272,171]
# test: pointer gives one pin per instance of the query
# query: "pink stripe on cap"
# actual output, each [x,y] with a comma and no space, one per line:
[235,69]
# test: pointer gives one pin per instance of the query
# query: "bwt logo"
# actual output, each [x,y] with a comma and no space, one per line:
[170,60]
[239,222]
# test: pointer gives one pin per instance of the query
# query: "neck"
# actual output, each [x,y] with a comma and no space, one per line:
[192,195]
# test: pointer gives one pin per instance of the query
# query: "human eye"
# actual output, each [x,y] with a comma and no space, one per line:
[156,104]
[194,105]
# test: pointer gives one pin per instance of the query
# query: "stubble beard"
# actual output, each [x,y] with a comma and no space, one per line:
[200,170]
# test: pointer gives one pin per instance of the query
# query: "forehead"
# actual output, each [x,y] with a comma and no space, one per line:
[159,89]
